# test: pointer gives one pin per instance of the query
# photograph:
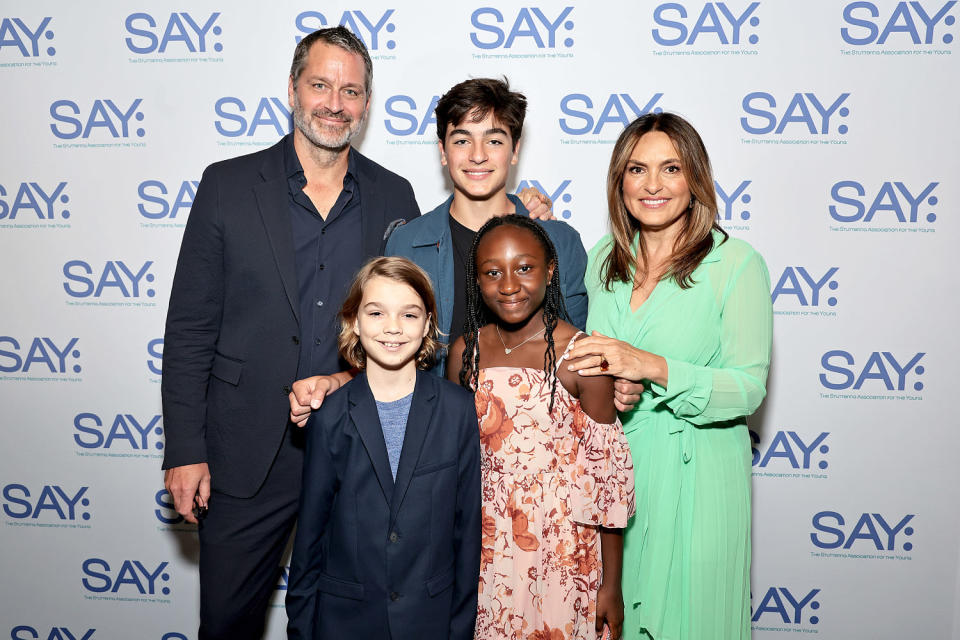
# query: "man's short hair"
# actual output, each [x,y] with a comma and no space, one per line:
[477,97]
[338,37]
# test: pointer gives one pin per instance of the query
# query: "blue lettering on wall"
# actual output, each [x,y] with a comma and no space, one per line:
[404,118]
[804,111]
[53,500]
[17,35]
[154,204]
[180,31]
[619,109]
[368,27]
[873,528]
[123,431]
[33,200]
[272,114]
[84,281]
[531,26]
[41,351]
[716,23]
[913,22]
[893,202]
[132,576]
[104,116]
[842,372]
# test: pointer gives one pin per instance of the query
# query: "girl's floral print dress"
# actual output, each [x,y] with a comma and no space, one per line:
[549,482]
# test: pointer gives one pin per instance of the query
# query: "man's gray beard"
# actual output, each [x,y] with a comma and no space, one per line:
[301,123]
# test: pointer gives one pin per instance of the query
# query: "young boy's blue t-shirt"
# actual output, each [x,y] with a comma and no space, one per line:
[393,421]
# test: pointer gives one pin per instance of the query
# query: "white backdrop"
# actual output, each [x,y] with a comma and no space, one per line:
[833,132]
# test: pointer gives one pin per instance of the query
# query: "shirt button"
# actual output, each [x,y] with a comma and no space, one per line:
[296,339]
[393,536]
[394,596]
[286,391]
[318,342]
[321,267]
[319,303]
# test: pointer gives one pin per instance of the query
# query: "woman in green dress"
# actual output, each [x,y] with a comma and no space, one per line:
[683,310]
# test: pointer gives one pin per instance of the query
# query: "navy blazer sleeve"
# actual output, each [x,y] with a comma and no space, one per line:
[467,527]
[192,328]
[320,484]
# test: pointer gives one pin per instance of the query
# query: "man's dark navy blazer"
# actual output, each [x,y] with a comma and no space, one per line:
[376,558]
[231,346]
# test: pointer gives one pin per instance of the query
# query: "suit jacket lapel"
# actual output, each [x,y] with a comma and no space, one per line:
[363,412]
[373,223]
[418,423]
[273,204]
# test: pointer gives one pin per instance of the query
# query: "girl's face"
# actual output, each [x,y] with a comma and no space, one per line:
[391,324]
[513,273]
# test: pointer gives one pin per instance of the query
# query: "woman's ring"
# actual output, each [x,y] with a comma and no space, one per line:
[604,365]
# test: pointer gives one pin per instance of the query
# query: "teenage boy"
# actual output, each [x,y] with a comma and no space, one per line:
[479,123]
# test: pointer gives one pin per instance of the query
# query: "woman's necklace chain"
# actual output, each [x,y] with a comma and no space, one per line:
[507,350]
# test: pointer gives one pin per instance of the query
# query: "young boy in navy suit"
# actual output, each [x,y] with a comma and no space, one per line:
[388,541]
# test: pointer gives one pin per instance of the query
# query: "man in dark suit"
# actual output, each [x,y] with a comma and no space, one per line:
[267,253]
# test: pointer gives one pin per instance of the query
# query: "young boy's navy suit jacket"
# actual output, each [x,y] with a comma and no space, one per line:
[376,559]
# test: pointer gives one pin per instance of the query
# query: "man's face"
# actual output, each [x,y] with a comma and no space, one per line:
[478,156]
[329,101]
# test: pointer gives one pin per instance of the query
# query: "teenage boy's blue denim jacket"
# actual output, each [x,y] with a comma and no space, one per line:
[426,241]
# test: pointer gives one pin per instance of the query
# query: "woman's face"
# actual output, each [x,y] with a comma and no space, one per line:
[513,273]
[654,187]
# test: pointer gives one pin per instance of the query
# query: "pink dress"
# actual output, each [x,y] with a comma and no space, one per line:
[549,483]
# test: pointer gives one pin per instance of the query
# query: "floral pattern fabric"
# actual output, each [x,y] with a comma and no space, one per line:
[549,482]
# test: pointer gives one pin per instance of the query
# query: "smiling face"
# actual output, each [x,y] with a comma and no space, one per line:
[478,156]
[654,187]
[329,101]
[512,273]
[391,324]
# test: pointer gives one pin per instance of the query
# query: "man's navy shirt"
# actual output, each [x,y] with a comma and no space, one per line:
[328,252]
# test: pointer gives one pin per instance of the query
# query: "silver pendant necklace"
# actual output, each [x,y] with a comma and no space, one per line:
[507,350]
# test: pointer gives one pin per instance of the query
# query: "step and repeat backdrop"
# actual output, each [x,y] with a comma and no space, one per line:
[833,130]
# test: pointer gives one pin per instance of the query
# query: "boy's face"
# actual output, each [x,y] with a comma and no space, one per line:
[391,324]
[478,156]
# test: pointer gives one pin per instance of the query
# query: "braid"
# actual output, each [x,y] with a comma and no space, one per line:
[474,318]
[554,308]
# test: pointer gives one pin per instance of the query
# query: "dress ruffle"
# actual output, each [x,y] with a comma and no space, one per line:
[603,486]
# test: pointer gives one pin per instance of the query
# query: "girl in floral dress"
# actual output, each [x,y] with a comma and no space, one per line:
[557,472]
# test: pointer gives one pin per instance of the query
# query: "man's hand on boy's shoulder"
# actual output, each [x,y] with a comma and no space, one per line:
[537,203]
[308,394]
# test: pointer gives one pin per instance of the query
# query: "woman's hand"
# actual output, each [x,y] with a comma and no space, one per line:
[598,355]
[610,610]
[626,394]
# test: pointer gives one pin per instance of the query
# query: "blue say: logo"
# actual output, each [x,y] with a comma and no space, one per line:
[127,280]
[618,108]
[715,21]
[916,21]
[271,113]
[841,371]
[105,115]
[52,500]
[41,351]
[17,34]
[531,26]
[178,28]
[874,528]
[804,110]
[33,198]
